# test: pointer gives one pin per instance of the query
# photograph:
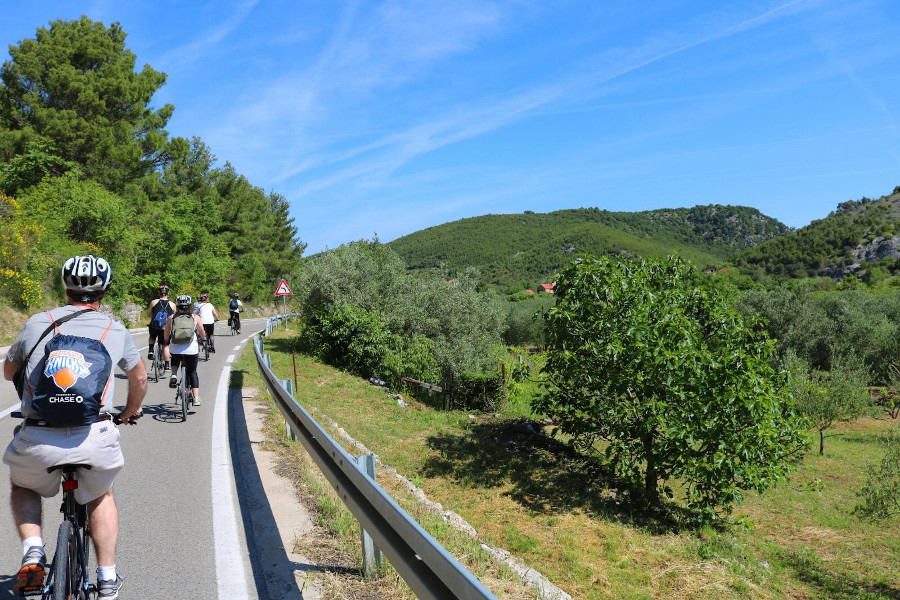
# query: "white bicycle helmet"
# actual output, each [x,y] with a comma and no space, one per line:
[183,302]
[86,274]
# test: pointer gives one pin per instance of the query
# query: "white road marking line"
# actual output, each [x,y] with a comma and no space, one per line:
[11,409]
[230,574]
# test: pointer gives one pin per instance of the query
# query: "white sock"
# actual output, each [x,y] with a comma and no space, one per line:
[106,573]
[29,542]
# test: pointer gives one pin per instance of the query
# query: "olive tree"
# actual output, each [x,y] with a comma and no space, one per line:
[828,397]
[668,380]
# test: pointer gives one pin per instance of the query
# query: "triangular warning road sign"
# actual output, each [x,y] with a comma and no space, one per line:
[283,289]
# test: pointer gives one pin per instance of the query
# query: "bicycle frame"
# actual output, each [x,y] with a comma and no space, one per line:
[77,515]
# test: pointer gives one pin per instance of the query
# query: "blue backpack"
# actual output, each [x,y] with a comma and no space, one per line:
[160,318]
[72,380]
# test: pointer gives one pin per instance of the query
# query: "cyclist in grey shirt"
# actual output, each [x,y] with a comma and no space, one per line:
[40,443]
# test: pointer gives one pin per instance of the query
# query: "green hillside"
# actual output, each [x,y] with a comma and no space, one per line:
[528,248]
[858,238]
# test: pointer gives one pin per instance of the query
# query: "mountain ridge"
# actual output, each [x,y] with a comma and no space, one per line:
[523,249]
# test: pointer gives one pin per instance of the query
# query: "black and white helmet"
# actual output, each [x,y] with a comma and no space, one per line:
[183,302]
[86,274]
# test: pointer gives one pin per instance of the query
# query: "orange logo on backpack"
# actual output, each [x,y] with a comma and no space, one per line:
[66,367]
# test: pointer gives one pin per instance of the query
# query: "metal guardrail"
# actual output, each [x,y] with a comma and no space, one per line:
[429,570]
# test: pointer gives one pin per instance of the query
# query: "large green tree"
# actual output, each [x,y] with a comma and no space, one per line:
[668,380]
[88,167]
[75,85]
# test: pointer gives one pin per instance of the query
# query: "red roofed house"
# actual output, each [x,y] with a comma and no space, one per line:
[546,287]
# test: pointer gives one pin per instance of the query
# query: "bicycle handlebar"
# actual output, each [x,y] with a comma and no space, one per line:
[132,420]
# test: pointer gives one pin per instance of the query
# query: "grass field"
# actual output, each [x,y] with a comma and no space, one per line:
[530,494]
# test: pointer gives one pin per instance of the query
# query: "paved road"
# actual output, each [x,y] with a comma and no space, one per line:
[180,497]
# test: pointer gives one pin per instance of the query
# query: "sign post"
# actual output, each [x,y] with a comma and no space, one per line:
[283,290]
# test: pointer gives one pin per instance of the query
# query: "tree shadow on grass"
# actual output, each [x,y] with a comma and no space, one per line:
[810,569]
[545,475]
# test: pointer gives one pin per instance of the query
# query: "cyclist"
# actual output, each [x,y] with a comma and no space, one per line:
[208,316]
[183,330]
[158,321]
[235,306]
[70,352]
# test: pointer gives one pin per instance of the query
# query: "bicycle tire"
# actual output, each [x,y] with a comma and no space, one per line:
[185,393]
[154,372]
[178,392]
[65,563]
[160,363]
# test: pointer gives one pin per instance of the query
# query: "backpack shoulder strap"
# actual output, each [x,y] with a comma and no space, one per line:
[54,324]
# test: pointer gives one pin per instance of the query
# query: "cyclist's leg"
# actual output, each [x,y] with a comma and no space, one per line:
[151,335]
[209,335]
[104,516]
[26,509]
[95,491]
[176,361]
[237,321]
[191,361]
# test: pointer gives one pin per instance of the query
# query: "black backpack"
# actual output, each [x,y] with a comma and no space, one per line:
[74,375]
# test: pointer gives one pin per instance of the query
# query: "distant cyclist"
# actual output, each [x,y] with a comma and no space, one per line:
[235,306]
[183,331]
[208,316]
[159,311]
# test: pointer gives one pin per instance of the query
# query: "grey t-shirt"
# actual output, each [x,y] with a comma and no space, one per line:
[92,324]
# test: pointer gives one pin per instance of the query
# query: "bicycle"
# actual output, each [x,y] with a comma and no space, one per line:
[68,576]
[158,368]
[183,394]
[232,323]
[204,350]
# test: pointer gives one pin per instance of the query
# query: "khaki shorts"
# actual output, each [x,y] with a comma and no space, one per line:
[33,449]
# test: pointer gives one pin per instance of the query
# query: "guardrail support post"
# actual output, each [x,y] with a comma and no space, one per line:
[288,385]
[370,552]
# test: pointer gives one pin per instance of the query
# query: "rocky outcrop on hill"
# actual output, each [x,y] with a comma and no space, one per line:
[877,249]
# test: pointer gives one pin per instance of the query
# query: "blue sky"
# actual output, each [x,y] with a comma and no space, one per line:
[389,117]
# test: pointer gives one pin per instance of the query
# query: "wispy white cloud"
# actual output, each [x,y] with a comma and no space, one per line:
[389,153]
[184,56]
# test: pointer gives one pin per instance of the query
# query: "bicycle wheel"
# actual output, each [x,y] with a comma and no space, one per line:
[185,388]
[65,563]
[160,363]
[154,372]
[178,392]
